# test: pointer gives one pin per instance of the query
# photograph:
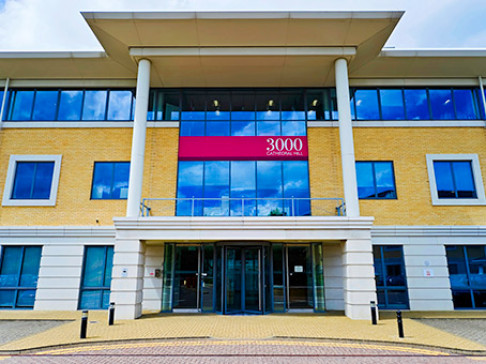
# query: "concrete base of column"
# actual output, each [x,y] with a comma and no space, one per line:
[127,279]
[359,279]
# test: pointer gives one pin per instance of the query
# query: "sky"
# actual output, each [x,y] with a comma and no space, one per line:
[57,25]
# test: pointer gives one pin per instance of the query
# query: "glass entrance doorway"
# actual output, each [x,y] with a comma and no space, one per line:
[240,278]
[243,280]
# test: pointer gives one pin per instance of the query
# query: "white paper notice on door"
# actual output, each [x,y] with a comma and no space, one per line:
[298,268]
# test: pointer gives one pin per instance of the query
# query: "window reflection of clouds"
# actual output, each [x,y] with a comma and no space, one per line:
[94,105]
[238,179]
[70,105]
[119,105]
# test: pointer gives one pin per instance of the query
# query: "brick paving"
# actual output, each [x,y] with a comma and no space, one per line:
[11,330]
[241,351]
[472,329]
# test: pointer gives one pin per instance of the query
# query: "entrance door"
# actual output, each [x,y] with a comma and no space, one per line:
[243,288]
[300,293]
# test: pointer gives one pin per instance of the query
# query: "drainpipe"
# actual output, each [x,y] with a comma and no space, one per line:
[4,99]
[481,86]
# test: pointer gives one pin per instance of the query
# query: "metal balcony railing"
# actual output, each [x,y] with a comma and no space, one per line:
[243,206]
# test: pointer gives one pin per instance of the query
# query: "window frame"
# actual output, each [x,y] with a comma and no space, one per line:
[477,178]
[11,174]
[374,180]
[111,183]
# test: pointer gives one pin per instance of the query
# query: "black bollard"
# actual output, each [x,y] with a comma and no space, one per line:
[111,313]
[373,312]
[84,324]
[400,324]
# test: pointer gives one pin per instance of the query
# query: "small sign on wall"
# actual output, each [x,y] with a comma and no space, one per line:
[428,272]
[298,269]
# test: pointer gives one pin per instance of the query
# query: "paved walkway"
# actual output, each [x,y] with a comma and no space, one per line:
[12,330]
[268,327]
[279,351]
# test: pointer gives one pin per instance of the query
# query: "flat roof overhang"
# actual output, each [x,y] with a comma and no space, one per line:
[243,49]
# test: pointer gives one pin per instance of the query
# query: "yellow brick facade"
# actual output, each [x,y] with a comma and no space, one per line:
[407,148]
[80,148]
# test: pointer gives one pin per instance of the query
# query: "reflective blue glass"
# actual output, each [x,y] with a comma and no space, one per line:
[441,104]
[1,100]
[293,115]
[192,128]
[19,269]
[45,105]
[454,179]
[33,180]
[193,115]
[11,262]
[385,180]
[190,184]
[243,115]
[7,298]
[392,104]
[96,279]
[21,105]
[466,108]
[25,297]
[70,105]
[366,185]
[296,185]
[110,180]
[243,128]
[268,115]
[416,104]
[30,268]
[294,128]
[464,179]
[217,128]
[90,299]
[216,185]
[218,115]
[367,105]
[269,185]
[375,180]
[120,105]
[243,184]
[94,107]
[268,128]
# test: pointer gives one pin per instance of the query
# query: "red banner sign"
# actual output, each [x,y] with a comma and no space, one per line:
[243,148]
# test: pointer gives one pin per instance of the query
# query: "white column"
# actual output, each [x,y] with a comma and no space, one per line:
[127,278]
[359,279]
[346,139]
[138,140]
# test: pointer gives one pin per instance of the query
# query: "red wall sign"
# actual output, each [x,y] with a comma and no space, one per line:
[243,148]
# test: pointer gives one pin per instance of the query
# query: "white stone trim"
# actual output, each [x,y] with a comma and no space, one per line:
[478,180]
[9,183]
[404,82]
[53,233]
[429,231]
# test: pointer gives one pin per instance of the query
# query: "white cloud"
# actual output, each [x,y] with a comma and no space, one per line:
[58,25]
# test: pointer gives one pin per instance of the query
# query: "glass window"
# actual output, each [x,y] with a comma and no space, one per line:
[96,279]
[45,105]
[441,104]
[392,104]
[32,180]
[454,179]
[466,107]
[216,188]
[296,187]
[243,128]
[120,105]
[293,105]
[268,128]
[189,186]
[110,180]
[318,105]
[21,105]
[70,105]
[366,105]
[269,188]
[94,107]
[243,185]
[390,277]
[467,274]
[193,106]
[293,128]
[375,180]
[192,128]
[268,106]
[19,271]
[416,104]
